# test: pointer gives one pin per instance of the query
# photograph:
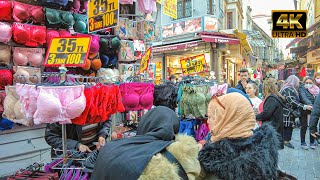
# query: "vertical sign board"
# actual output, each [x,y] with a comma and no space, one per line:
[145,60]
[170,8]
[289,23]
[69,51]
[193,64]
[102,14]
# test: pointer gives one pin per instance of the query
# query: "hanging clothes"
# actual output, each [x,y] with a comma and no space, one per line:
[147,6]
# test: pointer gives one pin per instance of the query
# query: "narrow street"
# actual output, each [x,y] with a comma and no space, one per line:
[303,164]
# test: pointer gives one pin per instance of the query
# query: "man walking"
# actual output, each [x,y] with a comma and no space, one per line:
[244,80]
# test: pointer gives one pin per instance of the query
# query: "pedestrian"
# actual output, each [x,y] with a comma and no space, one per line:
[308,92]
[234,150]
[317,78]
[173,79]
[244,80]
[293,107]
[251,90]
[156,152]
[273,107]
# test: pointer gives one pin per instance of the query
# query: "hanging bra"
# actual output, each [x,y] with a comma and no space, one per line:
[60,2]
[24,56]
[137,96]
[25,74]
[29,35]
[6,78]
[57,18]
[25,12]
[81,22]
[94,45]
[56,33]
[5,55]
[5,10]
[5,32]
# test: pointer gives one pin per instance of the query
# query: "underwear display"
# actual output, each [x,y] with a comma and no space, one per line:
[5,32]
[137,96]
[59,104]
[2,96]
[24,12]
[5,10]
[28,56]
[201,131]
[165,95]
[60,2]
[29,35]
[5,55]
[101,102]
[79,6]
[187,127]
[59,19]
[26,75]
[93,62]
[56,33]
[81,23]
[28,95]
[6,78]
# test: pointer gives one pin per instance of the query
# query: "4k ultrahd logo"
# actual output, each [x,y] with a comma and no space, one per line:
[289,23]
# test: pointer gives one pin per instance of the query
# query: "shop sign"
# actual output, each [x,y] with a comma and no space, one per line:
[170,8]
[210,24]
[193,64]
[145,60]
[220,39]
[182,27]
[103,14]
[175,47]
[71,51]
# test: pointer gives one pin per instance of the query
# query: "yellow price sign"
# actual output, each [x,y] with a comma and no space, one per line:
[71,51]
[193,64]
[102,14]
[145,60]
[170,8]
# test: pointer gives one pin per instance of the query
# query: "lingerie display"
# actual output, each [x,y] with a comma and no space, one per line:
[197,128]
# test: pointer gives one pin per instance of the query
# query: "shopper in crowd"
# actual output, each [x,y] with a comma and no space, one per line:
[156,152]
[252,91]
[308,92]
[244,80]
[317,78]
[234,150]
[82,138]
[293,107]
[314,119]
[273,108]
[173,79]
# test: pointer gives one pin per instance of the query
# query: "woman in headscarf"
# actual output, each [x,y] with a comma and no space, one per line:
[293,107]
[234,150]
[156,152]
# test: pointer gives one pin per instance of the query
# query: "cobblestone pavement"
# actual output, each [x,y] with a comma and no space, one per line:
[303,164]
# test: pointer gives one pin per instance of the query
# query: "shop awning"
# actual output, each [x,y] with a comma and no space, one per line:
[219,39]
[244,42]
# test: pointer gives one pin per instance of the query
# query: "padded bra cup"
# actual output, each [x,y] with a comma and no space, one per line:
[6,78]
[54,33]
[5,55]
[5,32]
[131,101]
[5,10]
[29,35]
[25,12]
[22,56]
[59,18]
[138,96]
[146,99]
[80,24]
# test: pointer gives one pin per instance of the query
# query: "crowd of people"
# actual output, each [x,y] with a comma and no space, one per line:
[248,126]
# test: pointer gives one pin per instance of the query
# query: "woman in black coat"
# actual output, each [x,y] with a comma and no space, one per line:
[308,92]
[273,108]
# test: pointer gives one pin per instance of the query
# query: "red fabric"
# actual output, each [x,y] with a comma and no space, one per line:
[25,12]
[101,102]
[5,10]
[303,72]
[29,35]
[260,109]
[6,78]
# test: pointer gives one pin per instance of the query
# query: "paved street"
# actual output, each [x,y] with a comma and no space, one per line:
[304,164]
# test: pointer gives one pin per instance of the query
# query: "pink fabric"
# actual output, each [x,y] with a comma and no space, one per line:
[22,56]
[56,33]
[28,98]
[126,1]
[218,90]
[147,6]
[5,32]
[137,96]
[314,90]
[59,104]
[94,46]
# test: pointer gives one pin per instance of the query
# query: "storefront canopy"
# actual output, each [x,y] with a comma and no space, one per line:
[244,42]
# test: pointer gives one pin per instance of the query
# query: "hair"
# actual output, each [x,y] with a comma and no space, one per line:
[308,78]
[292,81]
[255,86]
[316,74]
[172,77]
[271,87]
[244,70]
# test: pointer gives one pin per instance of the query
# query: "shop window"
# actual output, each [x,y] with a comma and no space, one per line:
[229,20]
[184,9]
[211,7]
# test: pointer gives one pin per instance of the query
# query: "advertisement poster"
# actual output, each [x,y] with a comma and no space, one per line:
[170,8]
[149,30]
[182,27]
[127,51]
[193,25]
[167,31]
[102,14]
[128,70]
[179,28]
[210,24]
[152,71]
[193,64]
[145,60]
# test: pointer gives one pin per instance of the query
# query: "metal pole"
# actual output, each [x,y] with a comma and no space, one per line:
[64,143]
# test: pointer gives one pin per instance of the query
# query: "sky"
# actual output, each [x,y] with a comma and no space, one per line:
[265,7]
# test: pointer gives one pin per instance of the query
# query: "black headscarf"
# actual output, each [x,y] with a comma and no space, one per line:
[127,158]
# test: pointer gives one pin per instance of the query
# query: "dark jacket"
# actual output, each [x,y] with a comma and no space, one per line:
[250,158]
[273,112]
[240,87]
[53,135]
[305,96]
[315,115]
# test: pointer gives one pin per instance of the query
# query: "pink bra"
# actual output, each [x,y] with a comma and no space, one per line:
[5,32]
[22,56]
[137,96]
[25,12]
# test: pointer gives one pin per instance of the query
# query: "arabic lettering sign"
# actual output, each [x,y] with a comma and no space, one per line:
[103,14]
[193,64]
[71,51]
[145,60]
[170,8]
